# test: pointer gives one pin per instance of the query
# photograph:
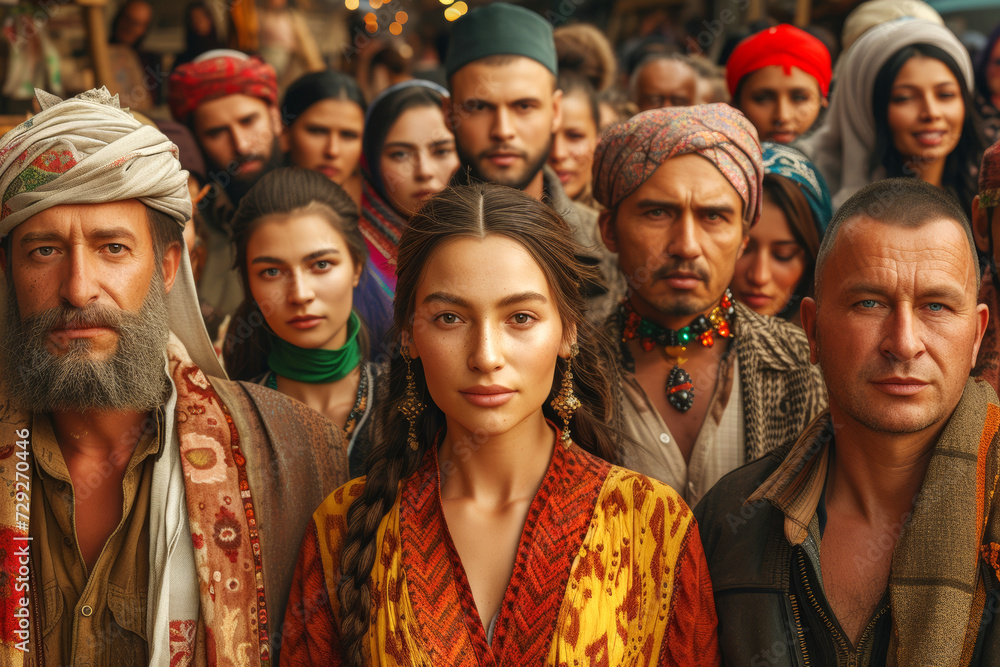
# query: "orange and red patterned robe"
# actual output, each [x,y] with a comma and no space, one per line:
[609,571]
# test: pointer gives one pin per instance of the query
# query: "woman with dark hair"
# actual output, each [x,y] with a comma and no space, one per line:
[902,106]
[323,114]
[776,269]
[572,155]
[299,255]
[987,73]
[409,155]
[491,528]
[779,78]
[200,33]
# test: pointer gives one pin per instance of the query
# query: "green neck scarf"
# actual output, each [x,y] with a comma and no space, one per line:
[316,366]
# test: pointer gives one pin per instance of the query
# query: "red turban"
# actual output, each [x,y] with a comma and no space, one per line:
[229,73]
[783,45]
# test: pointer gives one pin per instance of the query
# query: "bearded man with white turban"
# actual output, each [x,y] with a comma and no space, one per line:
[152,509]
[702,374]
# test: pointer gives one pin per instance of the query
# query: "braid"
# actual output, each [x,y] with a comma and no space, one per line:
[390,461]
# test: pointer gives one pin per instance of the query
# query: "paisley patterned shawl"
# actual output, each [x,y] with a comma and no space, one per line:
[609,570]
[222,519]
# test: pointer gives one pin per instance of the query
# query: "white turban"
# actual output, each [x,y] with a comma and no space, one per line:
[88,150]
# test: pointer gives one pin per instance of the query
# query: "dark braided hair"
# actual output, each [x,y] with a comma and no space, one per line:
[477,210]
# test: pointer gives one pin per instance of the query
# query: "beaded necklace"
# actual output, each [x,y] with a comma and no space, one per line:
[360,402]
[680,390]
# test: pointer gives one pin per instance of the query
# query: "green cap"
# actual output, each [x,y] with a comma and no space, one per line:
[500,29]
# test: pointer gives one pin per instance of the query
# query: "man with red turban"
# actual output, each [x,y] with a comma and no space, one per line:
[780,78]
[229,100]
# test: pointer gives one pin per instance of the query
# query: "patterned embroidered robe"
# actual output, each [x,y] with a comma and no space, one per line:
[609,571]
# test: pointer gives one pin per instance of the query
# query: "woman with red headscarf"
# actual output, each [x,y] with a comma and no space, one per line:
[779,78]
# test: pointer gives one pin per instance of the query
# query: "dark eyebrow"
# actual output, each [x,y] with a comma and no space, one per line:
[446,298]
[320,253]
[716,208]
[521,298]
[505,302]
[35,237]
[399,144]
[655,203]
[114,233]
[475,100]
[266,259]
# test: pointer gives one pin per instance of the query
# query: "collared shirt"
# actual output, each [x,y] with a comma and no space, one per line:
[796,488]
[718,449]
[95,617]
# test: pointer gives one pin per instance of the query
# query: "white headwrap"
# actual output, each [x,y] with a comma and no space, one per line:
[876,12]
[841,148]
[88,150]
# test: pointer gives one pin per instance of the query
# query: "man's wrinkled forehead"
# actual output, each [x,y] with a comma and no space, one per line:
[877,255]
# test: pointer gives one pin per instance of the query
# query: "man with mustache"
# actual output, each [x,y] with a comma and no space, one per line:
[504,111]
[229,101]
[874,538]
[709,384]
[153,509]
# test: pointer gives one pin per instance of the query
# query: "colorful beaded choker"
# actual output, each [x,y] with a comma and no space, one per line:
[680,390]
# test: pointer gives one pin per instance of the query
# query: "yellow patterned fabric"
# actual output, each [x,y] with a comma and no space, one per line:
[609,571]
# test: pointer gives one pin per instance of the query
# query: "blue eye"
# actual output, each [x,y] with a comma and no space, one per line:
[936,307]
[869,303]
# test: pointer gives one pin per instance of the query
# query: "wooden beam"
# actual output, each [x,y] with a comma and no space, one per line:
[93,16]
[803,13]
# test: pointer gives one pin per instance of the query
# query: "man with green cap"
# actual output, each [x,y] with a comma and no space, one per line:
[504,111]
[152,509]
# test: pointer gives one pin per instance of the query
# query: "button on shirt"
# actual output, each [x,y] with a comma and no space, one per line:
[98,617]
[718,449]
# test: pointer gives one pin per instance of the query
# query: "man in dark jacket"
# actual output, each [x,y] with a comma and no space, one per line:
[874,538]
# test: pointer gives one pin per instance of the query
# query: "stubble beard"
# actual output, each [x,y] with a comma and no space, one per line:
[867,414]
[518,181]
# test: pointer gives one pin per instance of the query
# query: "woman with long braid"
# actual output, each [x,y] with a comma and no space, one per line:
[491,527]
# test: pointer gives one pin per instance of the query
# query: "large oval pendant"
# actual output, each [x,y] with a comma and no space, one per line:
[680,391]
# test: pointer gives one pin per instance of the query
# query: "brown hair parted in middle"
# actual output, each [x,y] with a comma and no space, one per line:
[478,211]
[280,193]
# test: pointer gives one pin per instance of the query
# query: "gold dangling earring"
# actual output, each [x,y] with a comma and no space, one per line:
[566,403]
[411,407]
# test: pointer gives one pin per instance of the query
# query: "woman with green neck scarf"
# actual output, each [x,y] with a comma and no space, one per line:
[300,255]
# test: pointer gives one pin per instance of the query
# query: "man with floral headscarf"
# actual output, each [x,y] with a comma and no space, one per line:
[703,374]
[150,502]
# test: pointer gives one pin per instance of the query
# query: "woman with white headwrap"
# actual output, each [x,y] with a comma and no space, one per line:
[901,106]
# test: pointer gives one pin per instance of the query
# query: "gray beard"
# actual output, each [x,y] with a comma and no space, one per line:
[131,378]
